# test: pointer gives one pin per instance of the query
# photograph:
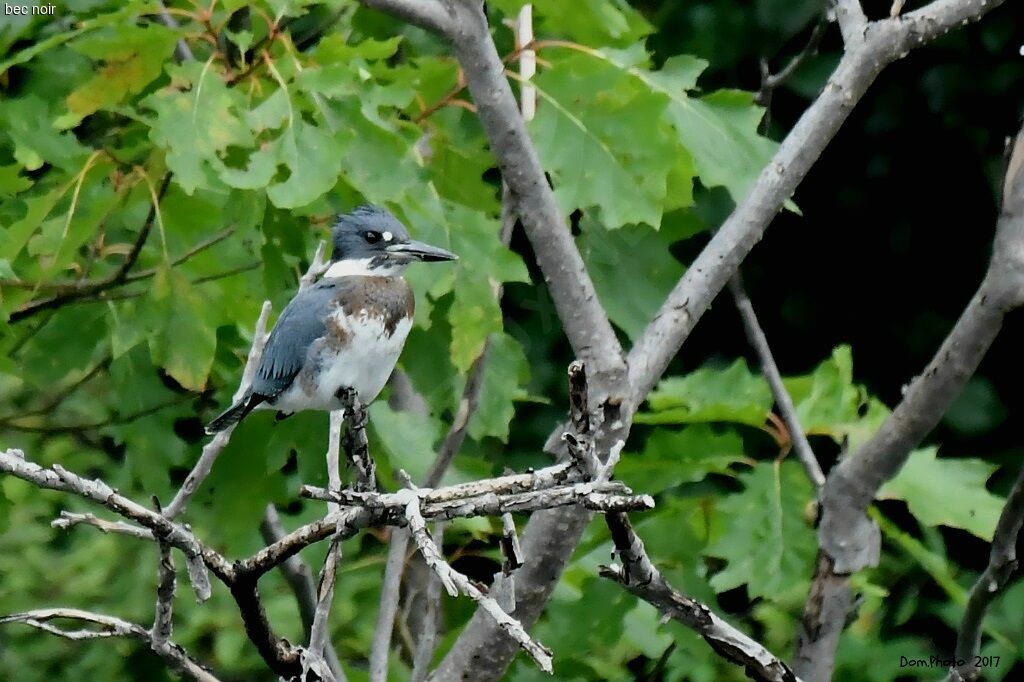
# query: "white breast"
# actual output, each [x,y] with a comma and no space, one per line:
[364,362]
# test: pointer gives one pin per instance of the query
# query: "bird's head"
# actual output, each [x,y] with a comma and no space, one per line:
[371,241]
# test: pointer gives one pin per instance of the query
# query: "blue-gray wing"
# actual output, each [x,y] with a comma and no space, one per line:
[303,321]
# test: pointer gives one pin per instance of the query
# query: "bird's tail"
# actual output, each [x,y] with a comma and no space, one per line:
[235,413]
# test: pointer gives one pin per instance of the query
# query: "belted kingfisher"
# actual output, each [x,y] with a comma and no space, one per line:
[345,331]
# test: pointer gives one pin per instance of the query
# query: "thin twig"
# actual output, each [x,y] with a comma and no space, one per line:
[211,451]
[784,402]
[115,278]
[389,595]
[109,626]
[320,630]
[68,519]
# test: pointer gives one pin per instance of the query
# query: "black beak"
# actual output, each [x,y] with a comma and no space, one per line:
[421,251]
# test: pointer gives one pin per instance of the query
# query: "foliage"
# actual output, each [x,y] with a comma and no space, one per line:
[259,140]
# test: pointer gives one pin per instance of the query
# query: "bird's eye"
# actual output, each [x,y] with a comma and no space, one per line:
[371,237]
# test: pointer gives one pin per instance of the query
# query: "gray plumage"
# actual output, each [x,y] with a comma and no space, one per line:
[347,330]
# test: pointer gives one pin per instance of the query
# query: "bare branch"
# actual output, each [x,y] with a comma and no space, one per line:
[639,575]
[1002,563]
[316,267]
[455,582]
[109,626]
[211,451]
[428,635]
[427,14]
[389,594]
[851,19]
[68,519]
[849,541]
[300,579]
[757,339]
[585,323]
[14,463]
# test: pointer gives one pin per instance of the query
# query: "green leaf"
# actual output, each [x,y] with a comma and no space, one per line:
[604,139]
[732,394]
[923,479]
[186,345]
[198,125]
[718,130]
[671,457]
[592,22]
[506,371]
[828,402]
[27,121]
[770,548]
[11,180]
[131,57]
[407,437]
[474,314]
[313,159]
[608,253]
[483,262]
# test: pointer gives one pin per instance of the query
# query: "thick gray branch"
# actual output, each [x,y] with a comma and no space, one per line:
[427,14]
[551,535]
[848,540]
[585,323]
[884,41]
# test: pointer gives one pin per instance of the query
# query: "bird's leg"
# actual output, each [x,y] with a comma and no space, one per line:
[357,448]
[280,416]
